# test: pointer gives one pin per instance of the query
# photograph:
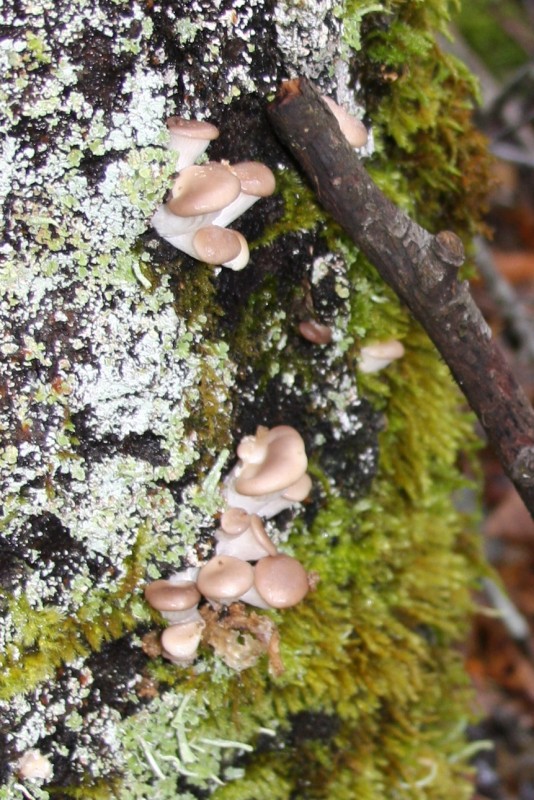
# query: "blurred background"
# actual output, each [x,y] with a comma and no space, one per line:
[496,39]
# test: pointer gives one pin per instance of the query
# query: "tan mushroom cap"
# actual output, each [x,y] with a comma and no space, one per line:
[235,521]
[300,490]
[180,642]
[315,332]
[168,596]
[260,534]
[352,128]
[280,580]
[215,245]
[255,178]
[225,578]
[278,461]
[203,190]
[192,128]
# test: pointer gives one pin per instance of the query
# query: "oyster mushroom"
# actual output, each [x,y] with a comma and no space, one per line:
[189,138]
[249,543]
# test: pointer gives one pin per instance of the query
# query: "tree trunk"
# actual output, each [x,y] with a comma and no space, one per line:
[131,371]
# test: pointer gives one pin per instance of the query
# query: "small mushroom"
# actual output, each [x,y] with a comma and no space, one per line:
[177,601]
[224,579]
[216,245]
[189,138]
[249,544]
[256,180]
[374,357]
[352,128]
[272,460]
[180,642]
[280,581]
[269,463]
[315,332]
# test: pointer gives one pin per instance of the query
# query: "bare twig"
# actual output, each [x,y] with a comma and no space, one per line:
[420,267]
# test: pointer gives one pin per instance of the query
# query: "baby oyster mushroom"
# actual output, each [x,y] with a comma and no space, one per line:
[177,601]
[216,245]
[351,127]
[189,138]
[180,642]
[249,544]
[270,462]
[256,180]
[315,332]
[374,357]
[224,579]
[280,581]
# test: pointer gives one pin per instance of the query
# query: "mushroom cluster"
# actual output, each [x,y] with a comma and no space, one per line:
[378,355]
[270,476]
[206,198]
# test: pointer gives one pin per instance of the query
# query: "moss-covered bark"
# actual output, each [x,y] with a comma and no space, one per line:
[131,372]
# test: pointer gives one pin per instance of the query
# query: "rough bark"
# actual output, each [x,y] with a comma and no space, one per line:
[422,269]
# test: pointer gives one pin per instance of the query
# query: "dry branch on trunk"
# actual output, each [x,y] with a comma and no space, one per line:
[420,267]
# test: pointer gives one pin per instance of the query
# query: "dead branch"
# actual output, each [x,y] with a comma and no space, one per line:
[420,267]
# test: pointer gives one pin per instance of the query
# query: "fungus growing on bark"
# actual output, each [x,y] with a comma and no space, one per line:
[250,543]
[280,581]
[180,642]
[351,127]
[315,332]
[256,180]
[216,245]
[270,465]
[374,357]
[176,600]
[224,579]
[189,138]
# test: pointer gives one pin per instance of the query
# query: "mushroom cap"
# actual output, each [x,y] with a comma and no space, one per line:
[352,128]
[235,521]
[272,460]
[299,490]
[203,189]
[225,578]
[165,595]
[260,535]
[180,642]
[315,332]
[255,178]
[242,258]
[215,245]
[388,350]
[192,128]
[250,545]
[280,580]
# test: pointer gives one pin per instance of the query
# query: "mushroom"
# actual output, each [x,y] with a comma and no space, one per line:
[256,180]
[270,462]
[249,544]
[189,138]
[216,245]
[374,357]
[198,193]
[280,581]
[315,332]
[176,600]
[224,579]
[180,642]
[351,127]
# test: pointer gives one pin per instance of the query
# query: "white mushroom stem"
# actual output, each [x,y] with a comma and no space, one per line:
[374,357]
[249,545]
